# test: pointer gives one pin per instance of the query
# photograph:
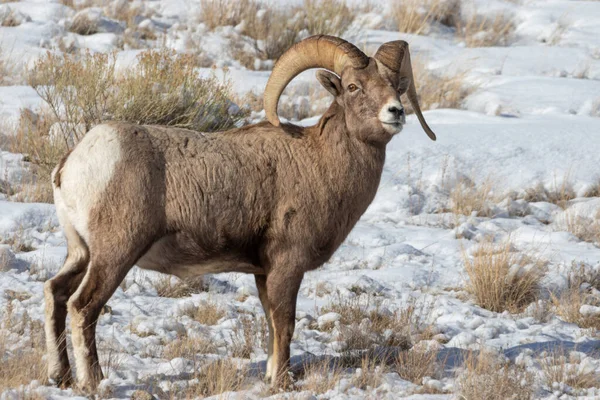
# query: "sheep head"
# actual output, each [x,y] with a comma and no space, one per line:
[367,89]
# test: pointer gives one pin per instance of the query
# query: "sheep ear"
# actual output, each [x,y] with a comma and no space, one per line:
[330,82]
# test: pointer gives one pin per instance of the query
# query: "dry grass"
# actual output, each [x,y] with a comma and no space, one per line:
[595,111]
[593,190]
[321,376]
[419,17]
[583,282]
[364,325]
[468,198]
[369,375]
[414,16]
[169,286]
[214,378]
[6,259]
[559,368]
[268,33]
[269,30]
[207,313]
[436,90]
[33,138]
[188,347]
[583,227]
[18,241]
[22,361]
[161,89]
[483,31]
[415,364]
[485,376]
[560,193]
[215,13]
[327,17]
[82,25]
[251,333]
[11,72]
[501,279]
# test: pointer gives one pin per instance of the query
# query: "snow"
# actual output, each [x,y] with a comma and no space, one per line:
[531,120]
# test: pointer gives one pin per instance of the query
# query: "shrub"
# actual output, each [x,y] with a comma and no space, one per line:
[162,88]
[80,92]
[501,279]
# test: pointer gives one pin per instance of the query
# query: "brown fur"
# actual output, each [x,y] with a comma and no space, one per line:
[272,201]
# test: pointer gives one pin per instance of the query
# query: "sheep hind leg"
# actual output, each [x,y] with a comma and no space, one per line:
[56,293]
[104,274]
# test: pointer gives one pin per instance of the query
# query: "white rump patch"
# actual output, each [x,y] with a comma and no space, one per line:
[86,174]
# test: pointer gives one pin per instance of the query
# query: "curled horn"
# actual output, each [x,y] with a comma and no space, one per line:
[320,51]
[395,56]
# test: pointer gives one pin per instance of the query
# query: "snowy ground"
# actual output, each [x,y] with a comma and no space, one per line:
[532,120]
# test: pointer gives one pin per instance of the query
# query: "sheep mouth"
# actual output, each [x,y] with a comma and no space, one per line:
[393,125]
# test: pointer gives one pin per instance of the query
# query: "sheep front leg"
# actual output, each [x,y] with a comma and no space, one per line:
[261,285]
[282,291]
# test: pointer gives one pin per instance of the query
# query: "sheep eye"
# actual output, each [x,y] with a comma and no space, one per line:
[352,87]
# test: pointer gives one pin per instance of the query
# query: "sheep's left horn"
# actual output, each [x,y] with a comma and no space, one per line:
[395,56]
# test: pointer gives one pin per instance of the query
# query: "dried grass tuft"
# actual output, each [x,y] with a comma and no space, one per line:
[575,303]
[486,376]
[321,376]
[215,378]
[467,198]
[501,279]
[415,364]
[436,90]
[22,361]
[558,367]
[483,31]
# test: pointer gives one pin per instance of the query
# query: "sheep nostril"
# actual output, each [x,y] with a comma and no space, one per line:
[398,112]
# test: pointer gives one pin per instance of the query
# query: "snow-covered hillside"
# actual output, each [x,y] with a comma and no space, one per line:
[518,162]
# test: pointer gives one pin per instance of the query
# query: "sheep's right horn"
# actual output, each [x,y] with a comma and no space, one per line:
[320,51]
[395,56]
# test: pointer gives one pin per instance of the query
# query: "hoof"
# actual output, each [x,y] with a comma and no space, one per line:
[62,380]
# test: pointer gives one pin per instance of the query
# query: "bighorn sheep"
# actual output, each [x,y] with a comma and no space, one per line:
[274,200]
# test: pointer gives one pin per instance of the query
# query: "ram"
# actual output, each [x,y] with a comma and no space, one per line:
[274,200]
